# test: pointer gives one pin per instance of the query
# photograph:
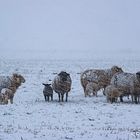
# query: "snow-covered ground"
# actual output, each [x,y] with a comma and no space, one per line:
[30,117]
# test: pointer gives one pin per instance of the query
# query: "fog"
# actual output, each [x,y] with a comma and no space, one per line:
[68,28]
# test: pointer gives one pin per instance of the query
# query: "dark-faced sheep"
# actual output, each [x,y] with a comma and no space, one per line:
[62,84]
[48,92]
[98,76]
[128,84]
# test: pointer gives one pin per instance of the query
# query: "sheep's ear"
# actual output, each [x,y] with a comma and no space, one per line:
[15,74]
[43,84]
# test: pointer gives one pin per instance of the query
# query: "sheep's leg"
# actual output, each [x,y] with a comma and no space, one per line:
[121,98]
[132,97]
[45,97]
[85,92]
[48,98]
[135,99]
[138,98]
[62,97]
[66,96]
[95,93]
[59,96]
[11,100]
[51,97]
[103,91]
[107,98]
[116,99]
[128,97]
[111,100]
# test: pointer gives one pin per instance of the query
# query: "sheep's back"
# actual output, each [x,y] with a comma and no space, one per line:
[60,86]
[5,82]
[124,81]
[101,77]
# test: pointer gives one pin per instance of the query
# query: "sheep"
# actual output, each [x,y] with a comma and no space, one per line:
[112,93]
[98,76]
[7,81]
[3,99]
[92,88]
[62,84]
[128,84]
[9,92]
[9,85]
[48,92]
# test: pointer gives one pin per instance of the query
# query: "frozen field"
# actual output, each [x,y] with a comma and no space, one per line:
[91,118]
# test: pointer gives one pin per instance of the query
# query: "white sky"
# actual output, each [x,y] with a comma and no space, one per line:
[70,25]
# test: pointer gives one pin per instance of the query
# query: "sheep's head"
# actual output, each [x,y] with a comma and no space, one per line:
[46,85]
[116,69]
[138,76]
[18,79]
[63,75]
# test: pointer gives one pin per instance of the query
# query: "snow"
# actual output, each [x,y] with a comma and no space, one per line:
[41,38]
[30,117]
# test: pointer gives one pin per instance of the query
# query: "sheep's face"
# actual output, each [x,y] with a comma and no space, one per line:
[21,78]
[46,85]
[116,69]
[64,76]
[18,78]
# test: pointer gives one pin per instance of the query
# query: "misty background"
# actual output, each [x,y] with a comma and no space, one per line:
[69,28]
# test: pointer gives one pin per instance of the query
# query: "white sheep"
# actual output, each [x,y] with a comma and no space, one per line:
[128,84]
[9,92]
[101,77]
[7,81]
[91,88]
[9,85]
[3,99]
[112,93]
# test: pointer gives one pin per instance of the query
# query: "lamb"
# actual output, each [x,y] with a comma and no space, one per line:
[62,84]
[112,93]
[9,85]
[3,99]
[98,76]
[8,92]
[128,84]
[48,92]
[92,88]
